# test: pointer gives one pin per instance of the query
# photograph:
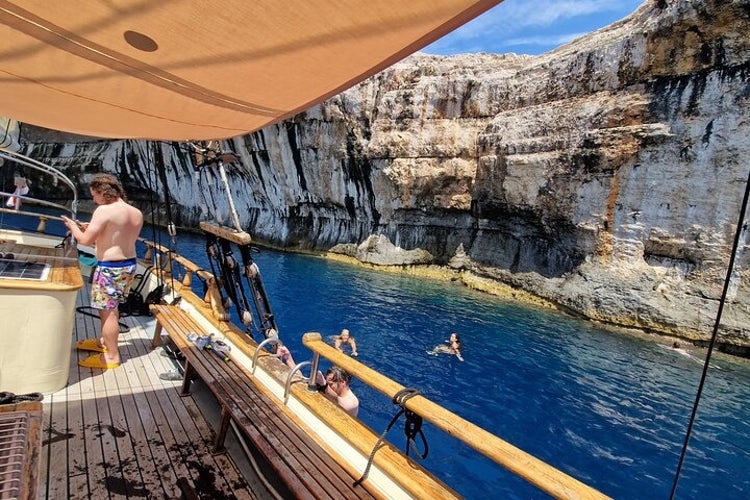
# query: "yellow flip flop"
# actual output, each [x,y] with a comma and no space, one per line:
[95,361]
[90,345]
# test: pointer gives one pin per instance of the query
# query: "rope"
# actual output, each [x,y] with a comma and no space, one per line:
[258,292]
[151,168]
[10,398]
[411,429]
[171,228]
[251,459]
[199,182]
[741,227]
[151,190]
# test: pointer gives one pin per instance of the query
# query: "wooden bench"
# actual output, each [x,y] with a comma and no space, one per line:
[303,465]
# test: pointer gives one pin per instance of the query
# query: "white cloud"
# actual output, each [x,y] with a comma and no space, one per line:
[543,41]
[521,14]
[513,16]
[527,22]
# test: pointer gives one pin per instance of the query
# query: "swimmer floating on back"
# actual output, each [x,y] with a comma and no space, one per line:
[454,346]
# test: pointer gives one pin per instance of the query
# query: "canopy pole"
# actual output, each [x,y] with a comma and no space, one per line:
[232,209]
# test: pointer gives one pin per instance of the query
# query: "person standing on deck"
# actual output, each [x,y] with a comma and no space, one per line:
[22,189]
[113,230]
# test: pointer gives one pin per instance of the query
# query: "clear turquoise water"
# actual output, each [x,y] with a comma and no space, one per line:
[607,408]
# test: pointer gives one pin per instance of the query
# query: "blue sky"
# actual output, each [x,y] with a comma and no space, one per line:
[532,26]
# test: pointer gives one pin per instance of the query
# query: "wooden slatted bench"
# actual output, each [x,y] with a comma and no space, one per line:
[301,463]
[20,449]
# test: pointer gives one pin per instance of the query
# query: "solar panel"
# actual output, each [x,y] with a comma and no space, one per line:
[22,270]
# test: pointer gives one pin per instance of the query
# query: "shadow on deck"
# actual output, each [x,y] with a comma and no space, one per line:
[126,433]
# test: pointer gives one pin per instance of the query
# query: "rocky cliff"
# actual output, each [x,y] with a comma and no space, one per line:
[606,176]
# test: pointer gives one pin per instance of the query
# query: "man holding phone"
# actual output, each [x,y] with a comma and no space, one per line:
[113,230]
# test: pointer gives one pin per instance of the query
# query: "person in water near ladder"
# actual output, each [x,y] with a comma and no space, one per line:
[345,338]
[454,346]
[113,230]
[338,390]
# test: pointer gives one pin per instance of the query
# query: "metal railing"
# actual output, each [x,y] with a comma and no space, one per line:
[41,167]
[48,170]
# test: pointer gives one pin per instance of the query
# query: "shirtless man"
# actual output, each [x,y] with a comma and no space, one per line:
[337,389]
[113,230]
[346,339]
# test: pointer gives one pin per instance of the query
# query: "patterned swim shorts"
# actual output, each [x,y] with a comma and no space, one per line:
[111,283]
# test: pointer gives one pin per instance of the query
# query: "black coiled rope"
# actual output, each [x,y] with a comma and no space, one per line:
[412,428]
[10,398]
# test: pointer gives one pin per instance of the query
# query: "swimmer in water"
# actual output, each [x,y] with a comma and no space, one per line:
[454,346]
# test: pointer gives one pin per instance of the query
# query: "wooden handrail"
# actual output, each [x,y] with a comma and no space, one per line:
[185,263]
[535,471]
[30,214]
[229,234]
[212,297]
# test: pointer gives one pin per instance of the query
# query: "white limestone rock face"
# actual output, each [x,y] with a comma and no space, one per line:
[606,176]
[379,251]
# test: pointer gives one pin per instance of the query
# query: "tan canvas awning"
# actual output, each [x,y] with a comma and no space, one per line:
[182,70]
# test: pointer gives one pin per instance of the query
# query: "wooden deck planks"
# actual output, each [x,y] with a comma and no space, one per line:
[200,436]
[125,433]
[176,421]
[143,374]
[279,439]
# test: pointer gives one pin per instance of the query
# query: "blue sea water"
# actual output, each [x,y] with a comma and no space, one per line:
[610,409]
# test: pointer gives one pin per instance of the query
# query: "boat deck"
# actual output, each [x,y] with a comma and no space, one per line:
[126,433]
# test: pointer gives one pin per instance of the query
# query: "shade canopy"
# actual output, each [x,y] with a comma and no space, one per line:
[190,69]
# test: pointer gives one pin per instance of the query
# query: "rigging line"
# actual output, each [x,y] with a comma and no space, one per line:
[220,250]
[210,207]
[225,181]
[730,269]
[214,259]
[202,172]
[171,229]
[400,399]
[151,191]
[232,265]
[254,463]
[155,236]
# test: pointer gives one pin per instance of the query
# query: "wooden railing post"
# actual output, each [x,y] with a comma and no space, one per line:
[213,297]
[42,227]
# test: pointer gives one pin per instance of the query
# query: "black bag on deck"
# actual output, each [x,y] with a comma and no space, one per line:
[135,304]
